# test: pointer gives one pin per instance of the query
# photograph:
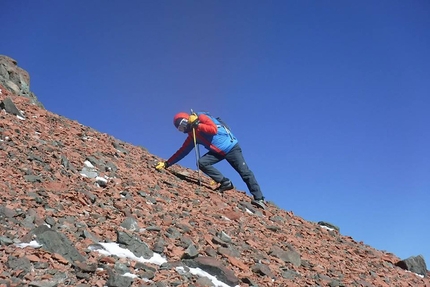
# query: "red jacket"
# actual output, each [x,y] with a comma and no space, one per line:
[209,133]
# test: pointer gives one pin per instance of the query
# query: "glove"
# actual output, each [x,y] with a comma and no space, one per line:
[193,120]
[161,165]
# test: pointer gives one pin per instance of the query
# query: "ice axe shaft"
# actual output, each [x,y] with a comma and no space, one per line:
[196,148]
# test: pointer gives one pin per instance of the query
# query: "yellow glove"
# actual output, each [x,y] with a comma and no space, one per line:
[193,120]
[161,165]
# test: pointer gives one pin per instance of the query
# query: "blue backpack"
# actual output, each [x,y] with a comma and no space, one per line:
[220,123]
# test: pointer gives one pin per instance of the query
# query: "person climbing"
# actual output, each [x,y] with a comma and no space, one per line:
[216,137]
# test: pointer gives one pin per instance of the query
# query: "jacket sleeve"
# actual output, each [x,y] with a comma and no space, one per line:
[206,125]
[185,149]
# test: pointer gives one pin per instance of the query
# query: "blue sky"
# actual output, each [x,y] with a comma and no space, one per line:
[329,99]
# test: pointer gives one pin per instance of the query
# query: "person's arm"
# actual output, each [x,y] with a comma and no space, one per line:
[206,125]
[185,149]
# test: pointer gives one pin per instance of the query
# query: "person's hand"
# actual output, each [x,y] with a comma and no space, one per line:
[193,120]
[161,165]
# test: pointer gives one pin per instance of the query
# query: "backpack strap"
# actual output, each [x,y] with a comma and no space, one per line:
[220,124]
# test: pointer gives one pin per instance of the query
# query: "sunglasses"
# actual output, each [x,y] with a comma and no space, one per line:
[183,125]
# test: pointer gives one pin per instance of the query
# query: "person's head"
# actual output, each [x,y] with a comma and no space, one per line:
[180,120]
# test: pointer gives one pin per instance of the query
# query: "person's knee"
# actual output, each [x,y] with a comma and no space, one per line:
[202,164]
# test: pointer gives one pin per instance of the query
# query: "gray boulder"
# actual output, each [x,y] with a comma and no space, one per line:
[55,242]
[16,79]
[8,105]
[414,264]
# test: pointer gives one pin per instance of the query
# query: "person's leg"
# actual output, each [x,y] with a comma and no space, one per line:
[236,160]
[206,163]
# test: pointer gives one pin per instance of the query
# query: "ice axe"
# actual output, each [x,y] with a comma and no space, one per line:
[196,148]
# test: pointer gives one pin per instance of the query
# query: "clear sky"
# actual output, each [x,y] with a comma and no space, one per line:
[329,99]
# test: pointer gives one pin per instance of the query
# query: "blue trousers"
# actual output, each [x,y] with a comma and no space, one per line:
[235,158]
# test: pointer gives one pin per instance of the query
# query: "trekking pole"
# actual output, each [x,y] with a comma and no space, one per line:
[196,148]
